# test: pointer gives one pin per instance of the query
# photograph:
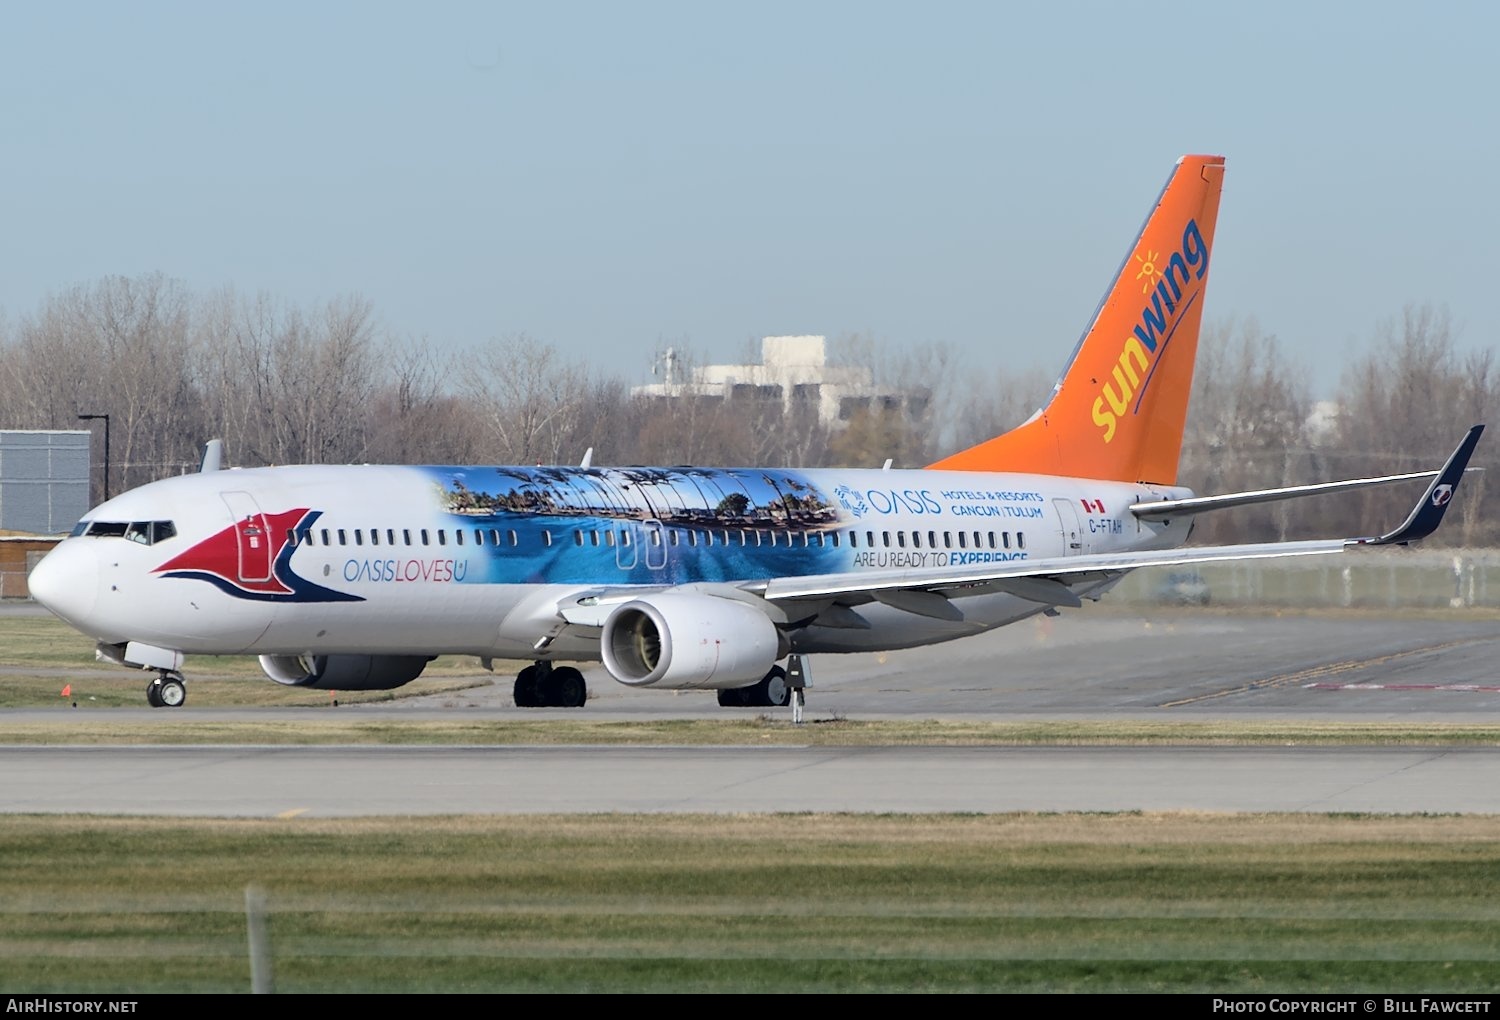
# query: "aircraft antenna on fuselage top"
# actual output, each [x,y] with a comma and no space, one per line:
[213,456]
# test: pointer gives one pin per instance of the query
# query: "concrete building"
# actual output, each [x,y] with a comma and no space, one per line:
[793,370]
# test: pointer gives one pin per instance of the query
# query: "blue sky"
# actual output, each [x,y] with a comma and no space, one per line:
[613,177]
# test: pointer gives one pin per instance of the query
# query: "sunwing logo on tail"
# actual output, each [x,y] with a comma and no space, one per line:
[1170,298]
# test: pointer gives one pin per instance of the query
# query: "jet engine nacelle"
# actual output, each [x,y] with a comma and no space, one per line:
[676,641]
[344,672]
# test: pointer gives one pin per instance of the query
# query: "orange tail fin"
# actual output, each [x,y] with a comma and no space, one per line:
[1119,409]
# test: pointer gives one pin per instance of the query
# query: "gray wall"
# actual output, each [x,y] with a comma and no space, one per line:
[44,480]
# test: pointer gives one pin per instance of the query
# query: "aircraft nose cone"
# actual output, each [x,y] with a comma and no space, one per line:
[67,582]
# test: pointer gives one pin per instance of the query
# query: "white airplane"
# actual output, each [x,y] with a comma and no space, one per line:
[354,577]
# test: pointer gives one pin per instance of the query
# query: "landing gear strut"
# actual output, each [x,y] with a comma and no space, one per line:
[546,686]
[772,692]
[777,689]
[167,690]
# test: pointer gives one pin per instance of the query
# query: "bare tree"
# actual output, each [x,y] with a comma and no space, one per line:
[1402,408]
[122,347]
[415,419]
[290,387]
[1247,429]
[529,402]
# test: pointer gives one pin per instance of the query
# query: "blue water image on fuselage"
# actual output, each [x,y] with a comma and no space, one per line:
[639,525]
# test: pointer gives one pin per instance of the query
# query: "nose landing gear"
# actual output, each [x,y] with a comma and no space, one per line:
[167,690]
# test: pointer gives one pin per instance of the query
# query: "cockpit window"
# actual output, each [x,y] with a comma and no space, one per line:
[144,532]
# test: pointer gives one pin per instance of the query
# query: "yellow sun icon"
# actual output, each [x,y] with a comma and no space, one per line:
[1148,270]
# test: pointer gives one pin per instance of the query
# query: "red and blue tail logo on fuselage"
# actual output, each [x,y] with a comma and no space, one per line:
[252,559]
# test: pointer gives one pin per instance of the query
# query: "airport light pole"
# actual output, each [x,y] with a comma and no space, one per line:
[105,419]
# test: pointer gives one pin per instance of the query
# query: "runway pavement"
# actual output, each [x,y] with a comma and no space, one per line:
[1095,664]
[353,781]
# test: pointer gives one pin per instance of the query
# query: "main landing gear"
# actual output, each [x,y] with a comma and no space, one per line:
[544,685]
[772,691]
[167,690]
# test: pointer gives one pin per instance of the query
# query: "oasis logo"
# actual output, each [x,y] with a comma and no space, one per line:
[851,500]
[1141,350]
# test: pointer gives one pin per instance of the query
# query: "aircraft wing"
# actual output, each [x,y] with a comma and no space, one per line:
[1046,580]
[1167,509]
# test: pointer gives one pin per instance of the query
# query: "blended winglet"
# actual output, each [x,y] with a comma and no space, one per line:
[1428,513]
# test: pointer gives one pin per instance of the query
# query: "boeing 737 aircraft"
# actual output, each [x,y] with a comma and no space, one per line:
[355,577]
